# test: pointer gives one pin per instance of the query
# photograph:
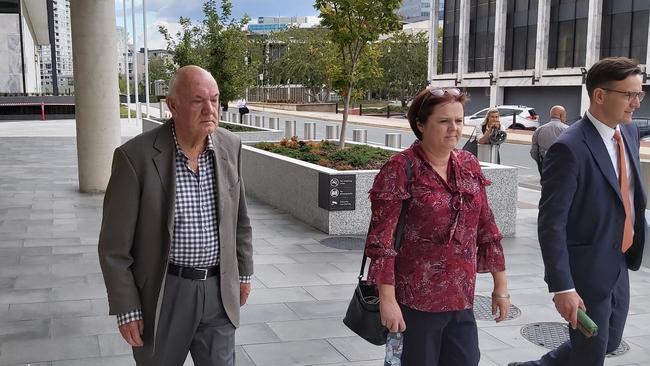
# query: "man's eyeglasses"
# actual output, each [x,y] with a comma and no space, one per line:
[438,92]
[630,95]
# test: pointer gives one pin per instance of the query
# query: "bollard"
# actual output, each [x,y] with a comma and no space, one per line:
[337,107]
[388,111]
[331,132]
[289,129]
[263,125]
[257,121]
[360,135]
[394,140]
[42,111]
[274,123]
[309,131]
[360,109]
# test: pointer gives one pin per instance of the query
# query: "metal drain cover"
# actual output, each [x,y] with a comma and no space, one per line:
[551,335]
[345,242]
[483,309]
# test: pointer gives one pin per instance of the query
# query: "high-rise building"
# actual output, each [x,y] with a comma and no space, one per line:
[265,25]
[59,66]
[537,53]
[23,29]
[121,50]
[414,10]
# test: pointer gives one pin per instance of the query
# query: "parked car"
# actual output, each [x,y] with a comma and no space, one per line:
[643,123]
[524,117]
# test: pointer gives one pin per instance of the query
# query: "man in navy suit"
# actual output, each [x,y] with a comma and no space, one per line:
[591,222]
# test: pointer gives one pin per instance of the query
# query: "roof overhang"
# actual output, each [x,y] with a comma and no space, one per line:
[37,13]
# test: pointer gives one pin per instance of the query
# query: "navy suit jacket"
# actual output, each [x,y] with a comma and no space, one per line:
[581,214]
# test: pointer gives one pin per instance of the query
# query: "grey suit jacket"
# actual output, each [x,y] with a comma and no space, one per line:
[136,231]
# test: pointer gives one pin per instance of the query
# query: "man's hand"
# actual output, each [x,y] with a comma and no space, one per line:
[244,291]
[567,304]
[132,332]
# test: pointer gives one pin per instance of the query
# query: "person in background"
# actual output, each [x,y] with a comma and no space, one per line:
[426,289]
[546,135]
[243,109]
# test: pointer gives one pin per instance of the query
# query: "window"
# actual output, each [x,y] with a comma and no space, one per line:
[625,29]
[568,33]
[481,35]
[450,36]
[521,34]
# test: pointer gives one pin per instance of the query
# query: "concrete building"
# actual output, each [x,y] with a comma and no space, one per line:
[266,25]
[59,67]
[535,52]
[121,51]
[414,10]
[23,29]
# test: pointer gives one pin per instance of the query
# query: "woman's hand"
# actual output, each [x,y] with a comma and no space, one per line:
[501,303]
[391,314]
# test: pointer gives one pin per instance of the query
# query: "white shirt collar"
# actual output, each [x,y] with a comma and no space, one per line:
[606,132]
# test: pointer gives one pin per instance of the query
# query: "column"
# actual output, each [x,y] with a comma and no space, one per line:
[94,46]
[593,44]
[500,17]
[463,40]
[543,26]
[433,40]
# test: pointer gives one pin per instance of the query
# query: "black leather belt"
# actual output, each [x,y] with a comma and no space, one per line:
[192,273]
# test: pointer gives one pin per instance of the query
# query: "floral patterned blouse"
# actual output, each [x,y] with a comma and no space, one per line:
[449,231]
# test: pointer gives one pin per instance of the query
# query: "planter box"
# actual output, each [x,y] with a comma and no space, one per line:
[259,134]
[306,107]
[292,186]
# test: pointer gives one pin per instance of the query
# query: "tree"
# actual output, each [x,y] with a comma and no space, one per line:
[218,44]
[402,80]
[305,60]
[352,25]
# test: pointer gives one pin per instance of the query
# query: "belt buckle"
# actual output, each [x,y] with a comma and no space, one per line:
[205,273]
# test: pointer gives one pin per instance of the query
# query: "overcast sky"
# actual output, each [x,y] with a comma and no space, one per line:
[167,12]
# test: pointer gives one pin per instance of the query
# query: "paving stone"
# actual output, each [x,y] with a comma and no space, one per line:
[24,330]
[300,353]
[319,309]
[24,296]
[113,345]
[277,295]
[52,309]
[255,333]
[83,326]
[357,349]
[295,330]
[44,282]
[54,349]
[331,292]
[263,313]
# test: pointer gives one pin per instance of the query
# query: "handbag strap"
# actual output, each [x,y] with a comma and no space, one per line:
[399,229]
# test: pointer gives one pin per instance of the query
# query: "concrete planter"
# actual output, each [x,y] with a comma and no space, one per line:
[259,133]
[292,185]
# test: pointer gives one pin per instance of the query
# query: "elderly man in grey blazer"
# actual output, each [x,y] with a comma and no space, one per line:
[176,243]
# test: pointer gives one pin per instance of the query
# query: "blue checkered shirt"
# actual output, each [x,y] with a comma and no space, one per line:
[195,239]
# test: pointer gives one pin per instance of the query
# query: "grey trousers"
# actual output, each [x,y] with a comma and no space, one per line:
[192,318]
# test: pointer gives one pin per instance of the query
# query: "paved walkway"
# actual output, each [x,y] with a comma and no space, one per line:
[53,302]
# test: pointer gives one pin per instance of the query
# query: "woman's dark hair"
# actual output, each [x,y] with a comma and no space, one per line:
[426,100]
[610,69]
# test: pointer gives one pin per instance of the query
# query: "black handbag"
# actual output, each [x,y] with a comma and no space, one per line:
[362,316]
[472,144]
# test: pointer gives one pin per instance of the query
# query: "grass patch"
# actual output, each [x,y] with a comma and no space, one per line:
[236,127]
[327,154]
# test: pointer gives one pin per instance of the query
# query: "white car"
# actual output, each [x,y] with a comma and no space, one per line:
[526,117]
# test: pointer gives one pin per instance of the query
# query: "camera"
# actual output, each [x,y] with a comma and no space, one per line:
[497,137]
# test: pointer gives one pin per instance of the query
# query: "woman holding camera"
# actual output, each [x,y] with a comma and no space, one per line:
[491,132]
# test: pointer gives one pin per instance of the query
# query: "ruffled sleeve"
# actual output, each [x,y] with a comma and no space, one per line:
[389,189]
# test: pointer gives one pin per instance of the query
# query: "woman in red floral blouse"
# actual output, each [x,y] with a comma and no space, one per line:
[426,288]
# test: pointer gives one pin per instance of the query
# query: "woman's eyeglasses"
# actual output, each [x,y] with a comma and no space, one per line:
[438,92]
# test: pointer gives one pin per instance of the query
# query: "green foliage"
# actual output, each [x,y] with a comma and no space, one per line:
[235,127]
[404,63]
[306,56]
[353,25]
[328,154]
[218,44]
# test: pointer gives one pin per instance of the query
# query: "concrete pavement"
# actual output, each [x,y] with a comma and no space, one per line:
[53,302]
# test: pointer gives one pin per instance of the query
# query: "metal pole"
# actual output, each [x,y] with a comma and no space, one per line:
[309,132]
[289,129]
[360,135]
[146,55]
[393,140]
[332,132]
[135,65]
[126,63]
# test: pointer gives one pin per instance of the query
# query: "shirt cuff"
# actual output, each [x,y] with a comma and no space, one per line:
[245,279]
[131,316]
[565,291]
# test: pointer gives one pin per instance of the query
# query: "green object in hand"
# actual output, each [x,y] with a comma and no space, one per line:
[585,325]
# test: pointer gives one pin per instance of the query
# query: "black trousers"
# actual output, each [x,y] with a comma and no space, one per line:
[446,338]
